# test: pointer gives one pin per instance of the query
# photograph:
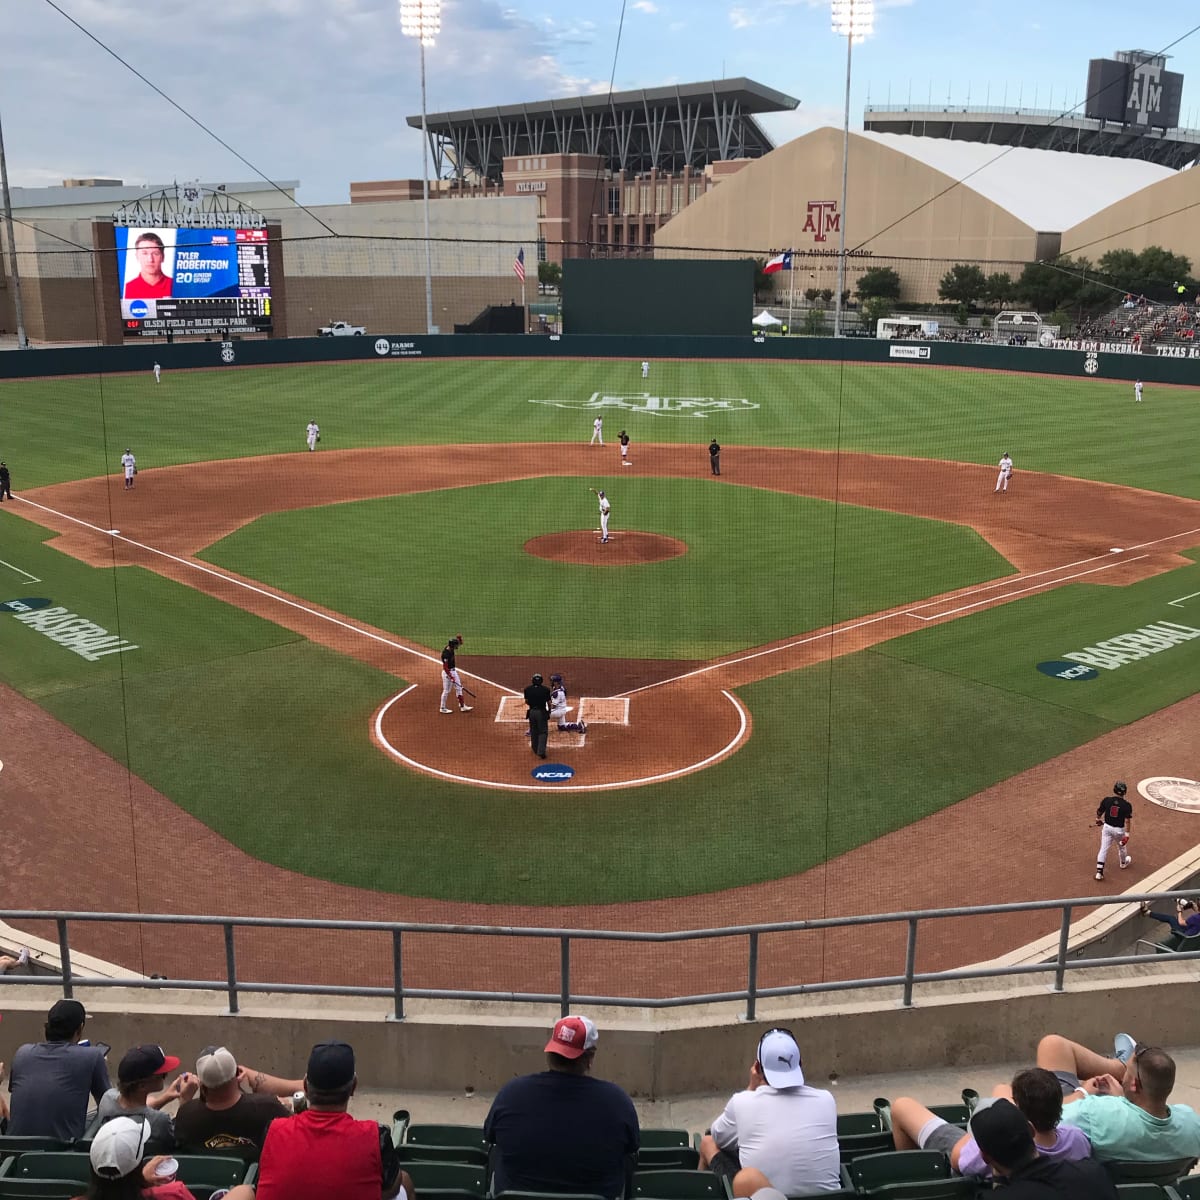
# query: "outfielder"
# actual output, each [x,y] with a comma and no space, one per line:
[157,373]
[451,678]
[645,370]
[597,432]
[130,465]
[1005,473]
[312,435]
[1115,818]
[1137,392]
[605,509]
[559,706]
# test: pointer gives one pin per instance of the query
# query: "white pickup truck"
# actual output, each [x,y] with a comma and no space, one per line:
[342,329]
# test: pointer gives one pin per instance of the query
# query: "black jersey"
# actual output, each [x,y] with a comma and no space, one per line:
[1115,810]
[448,656]
[624,439]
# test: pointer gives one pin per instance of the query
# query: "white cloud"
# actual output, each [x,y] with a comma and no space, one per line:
[644,6]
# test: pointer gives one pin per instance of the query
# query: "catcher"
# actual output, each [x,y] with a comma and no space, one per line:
[559,706]
[450,676]
[1115,818]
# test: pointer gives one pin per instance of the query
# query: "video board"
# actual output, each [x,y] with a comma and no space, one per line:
[1134,90]
[193,281]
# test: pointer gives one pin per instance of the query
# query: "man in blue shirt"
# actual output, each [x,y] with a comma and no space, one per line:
[561,1130]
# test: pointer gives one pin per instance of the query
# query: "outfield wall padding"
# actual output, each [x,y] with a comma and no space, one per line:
[109,360]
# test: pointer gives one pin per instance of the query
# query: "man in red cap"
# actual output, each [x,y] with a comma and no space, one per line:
[561,1130]
[142,1093]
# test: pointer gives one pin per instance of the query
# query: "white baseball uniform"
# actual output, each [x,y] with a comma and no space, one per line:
[597,432]
[130,465]
[1137,392]
[1005,472]
[157,373]
[559,709]
[645,370]
[605,509]
[311,434]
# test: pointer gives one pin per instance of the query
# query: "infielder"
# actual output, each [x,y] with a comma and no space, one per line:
[1005,473]
[559,707]
[130,465]
[157,373]
[645,370]
[1115,818]
[451,678]
[605,509]
[623,438]
[597,432]
[312,434]
[1137,392]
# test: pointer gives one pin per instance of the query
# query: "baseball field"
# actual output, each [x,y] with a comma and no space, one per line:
[836,641]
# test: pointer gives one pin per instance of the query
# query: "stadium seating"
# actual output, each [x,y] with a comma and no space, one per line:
[862,1133]
[448,1181]
[49,1174]
[679,1185]
[1166,1171]
[906,1175]
[1188,1189]
[1145,1191]
[446,1143]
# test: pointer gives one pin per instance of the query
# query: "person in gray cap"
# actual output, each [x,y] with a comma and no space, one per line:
[51,1081]
[781,1127]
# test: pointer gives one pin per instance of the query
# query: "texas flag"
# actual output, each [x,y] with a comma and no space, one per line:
[781,262]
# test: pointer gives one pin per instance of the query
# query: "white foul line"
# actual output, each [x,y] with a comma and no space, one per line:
[259,591]
[1179,603]
[1021,591]
[31,578]
[728,748]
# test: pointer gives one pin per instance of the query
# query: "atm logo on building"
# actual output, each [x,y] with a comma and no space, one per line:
[823,219]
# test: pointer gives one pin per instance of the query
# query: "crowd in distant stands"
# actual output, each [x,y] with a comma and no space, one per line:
[564,1130]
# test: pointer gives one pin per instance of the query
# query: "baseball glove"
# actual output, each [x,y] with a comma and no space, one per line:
[318,437]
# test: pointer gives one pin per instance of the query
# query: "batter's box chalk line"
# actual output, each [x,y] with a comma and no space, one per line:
[604,710]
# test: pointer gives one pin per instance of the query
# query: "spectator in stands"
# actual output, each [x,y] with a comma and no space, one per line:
[1036,1092]
[224,1117]
[561,1130]
[1007,1147]
[51,1081]
[324,1152]
[778,1125]
[140,1092]
[118,1172]
[1120,1103]
[1186,922]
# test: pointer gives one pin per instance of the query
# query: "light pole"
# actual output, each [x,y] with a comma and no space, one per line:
[853,20]
[422,19]
[15,270]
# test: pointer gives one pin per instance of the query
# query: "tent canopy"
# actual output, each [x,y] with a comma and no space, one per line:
[764,319]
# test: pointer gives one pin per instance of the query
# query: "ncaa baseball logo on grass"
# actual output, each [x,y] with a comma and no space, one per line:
[656,406]
[27,604]
[1061,669]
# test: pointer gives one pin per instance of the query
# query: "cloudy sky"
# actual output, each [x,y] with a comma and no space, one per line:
[318,90]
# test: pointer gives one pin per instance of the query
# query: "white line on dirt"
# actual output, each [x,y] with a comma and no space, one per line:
[662,777]
[265,592]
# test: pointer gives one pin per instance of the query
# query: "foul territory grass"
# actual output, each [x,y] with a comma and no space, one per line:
[60,429]
[759,566]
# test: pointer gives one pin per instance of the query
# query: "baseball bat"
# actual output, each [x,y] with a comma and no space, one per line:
[469,692]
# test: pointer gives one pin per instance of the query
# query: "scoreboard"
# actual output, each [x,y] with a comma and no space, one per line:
[193,282]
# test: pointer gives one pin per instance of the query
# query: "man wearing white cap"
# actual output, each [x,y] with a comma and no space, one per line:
[561,1130]
[223,1117]
[779,1126]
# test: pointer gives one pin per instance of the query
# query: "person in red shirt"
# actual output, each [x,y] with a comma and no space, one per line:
[323,1151]
[151,283]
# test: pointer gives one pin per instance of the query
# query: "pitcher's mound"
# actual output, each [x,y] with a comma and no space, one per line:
[621,549]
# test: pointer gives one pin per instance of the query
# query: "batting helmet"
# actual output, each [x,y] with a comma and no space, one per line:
[457,639]
[1119,788]
[537,679]
[556,678]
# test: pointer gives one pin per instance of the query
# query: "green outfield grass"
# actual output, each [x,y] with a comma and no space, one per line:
[60,429]
[760,566]
[264,736]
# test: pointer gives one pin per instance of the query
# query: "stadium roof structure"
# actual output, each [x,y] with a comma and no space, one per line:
[1049,190]
[1037,129]
[688,124]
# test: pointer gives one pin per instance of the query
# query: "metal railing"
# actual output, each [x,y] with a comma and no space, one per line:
[1058,964]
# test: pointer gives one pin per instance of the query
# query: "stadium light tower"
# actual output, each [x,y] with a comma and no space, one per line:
[854,20]
[422,19]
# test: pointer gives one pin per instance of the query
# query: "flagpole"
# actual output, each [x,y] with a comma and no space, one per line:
[524,307]
[791,293]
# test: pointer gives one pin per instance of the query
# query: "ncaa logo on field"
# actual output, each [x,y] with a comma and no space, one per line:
[1072,671]
[382,346]
[28,604]
[553,773]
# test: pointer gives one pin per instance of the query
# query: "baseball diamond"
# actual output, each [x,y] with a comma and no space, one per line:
[825,658]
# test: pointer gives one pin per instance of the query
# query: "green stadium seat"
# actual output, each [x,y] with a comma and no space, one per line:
[461,1156]
[855,1145]
[12,1146]
[1145,1191]
[678,1185]
[657,1138]
[851,1124]
[446,1143]
[1187,1189]
[1163,1172]
[906,1175]
[952,1114]
[518,1195]
[661,1158]
[448,1181]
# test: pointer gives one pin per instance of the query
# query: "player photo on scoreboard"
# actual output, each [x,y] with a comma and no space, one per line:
[146,261]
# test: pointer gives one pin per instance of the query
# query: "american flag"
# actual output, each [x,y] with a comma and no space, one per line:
[519,265]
